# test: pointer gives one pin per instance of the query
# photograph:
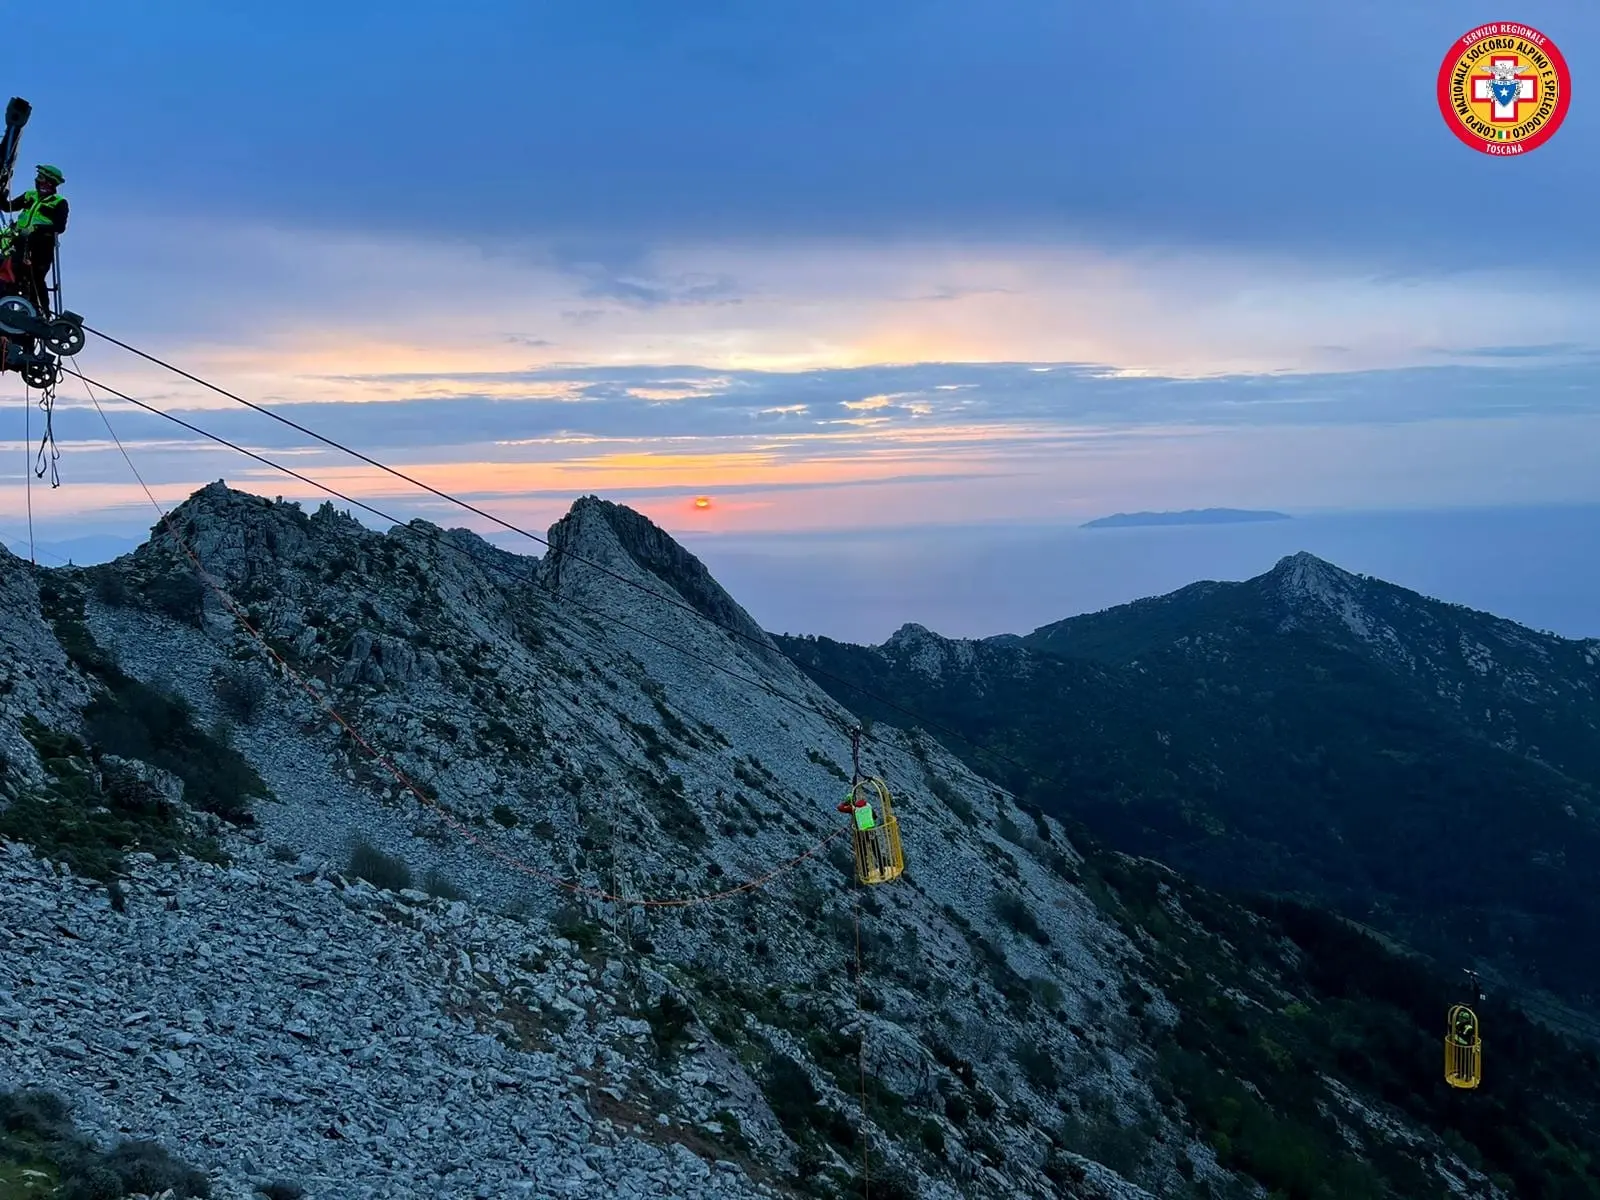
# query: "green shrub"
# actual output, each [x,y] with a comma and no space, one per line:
[669,1020]
[953,800]
[1016,914]
[148,1169]
[437,884]
[89,823]
[1102,1137]
[109,586]
[1046,991]
[136,721]
[1038,1066]
[791,1095]
[1060,1169]
[94,1181]
[570,922]
[178,595]
[33,1111]
[240,692]
[377,868]
[36,1131]
[828,765]
[672,810]
[798,1108]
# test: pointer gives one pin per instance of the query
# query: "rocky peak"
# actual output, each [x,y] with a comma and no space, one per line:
[1306,576]
[1313,589]
[928,652]
[597,532]
[550,744]
[231,531]
[910,636]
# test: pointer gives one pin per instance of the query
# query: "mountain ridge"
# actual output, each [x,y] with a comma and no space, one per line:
[615,764]
[1474,661]
[1019,1015]
[1262,734]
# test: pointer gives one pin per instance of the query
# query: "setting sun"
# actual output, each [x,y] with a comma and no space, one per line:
[702,501]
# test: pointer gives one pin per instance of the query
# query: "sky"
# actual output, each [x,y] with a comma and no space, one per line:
[907,266]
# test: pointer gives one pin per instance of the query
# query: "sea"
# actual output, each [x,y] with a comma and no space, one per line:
[1539,567]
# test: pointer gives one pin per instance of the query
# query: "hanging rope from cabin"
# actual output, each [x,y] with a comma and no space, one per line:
[41,463]
[27,462]
[861,1061]
[861,1049]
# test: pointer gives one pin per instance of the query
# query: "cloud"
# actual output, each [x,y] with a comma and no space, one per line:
[625,274]
[956,401]
[946,292]
[635,292]
[872,402]
[1546,350]
[920,442]
[827,121]
[748,219]
[283,311]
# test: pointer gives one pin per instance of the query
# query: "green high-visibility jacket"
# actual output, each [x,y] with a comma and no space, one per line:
[40,214]
[864,819]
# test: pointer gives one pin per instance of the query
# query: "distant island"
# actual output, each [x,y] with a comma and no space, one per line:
[1191,516]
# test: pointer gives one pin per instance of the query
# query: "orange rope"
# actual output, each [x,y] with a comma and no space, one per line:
[400,776]
[861,1061]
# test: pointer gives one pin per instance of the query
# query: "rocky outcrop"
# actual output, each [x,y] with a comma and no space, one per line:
[36,679]
[598,540]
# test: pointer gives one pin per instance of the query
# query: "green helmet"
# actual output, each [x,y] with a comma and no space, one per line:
[53,174]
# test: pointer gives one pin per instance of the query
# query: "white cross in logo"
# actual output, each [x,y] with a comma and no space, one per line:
[1504,71]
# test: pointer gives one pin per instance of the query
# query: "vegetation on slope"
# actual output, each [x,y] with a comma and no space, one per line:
[1279,998]
[1304,769]
[93,809]
[43,1155]
[1289,765]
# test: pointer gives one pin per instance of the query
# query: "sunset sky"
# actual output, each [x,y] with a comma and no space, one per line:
[834,265]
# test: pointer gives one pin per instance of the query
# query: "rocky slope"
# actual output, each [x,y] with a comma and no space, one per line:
[464,1051]
[274,958]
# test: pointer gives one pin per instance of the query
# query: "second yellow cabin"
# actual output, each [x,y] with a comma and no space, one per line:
[1463,1049]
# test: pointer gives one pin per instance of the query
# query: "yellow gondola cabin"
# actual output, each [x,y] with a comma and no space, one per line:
[1463,1049]
[876,836]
